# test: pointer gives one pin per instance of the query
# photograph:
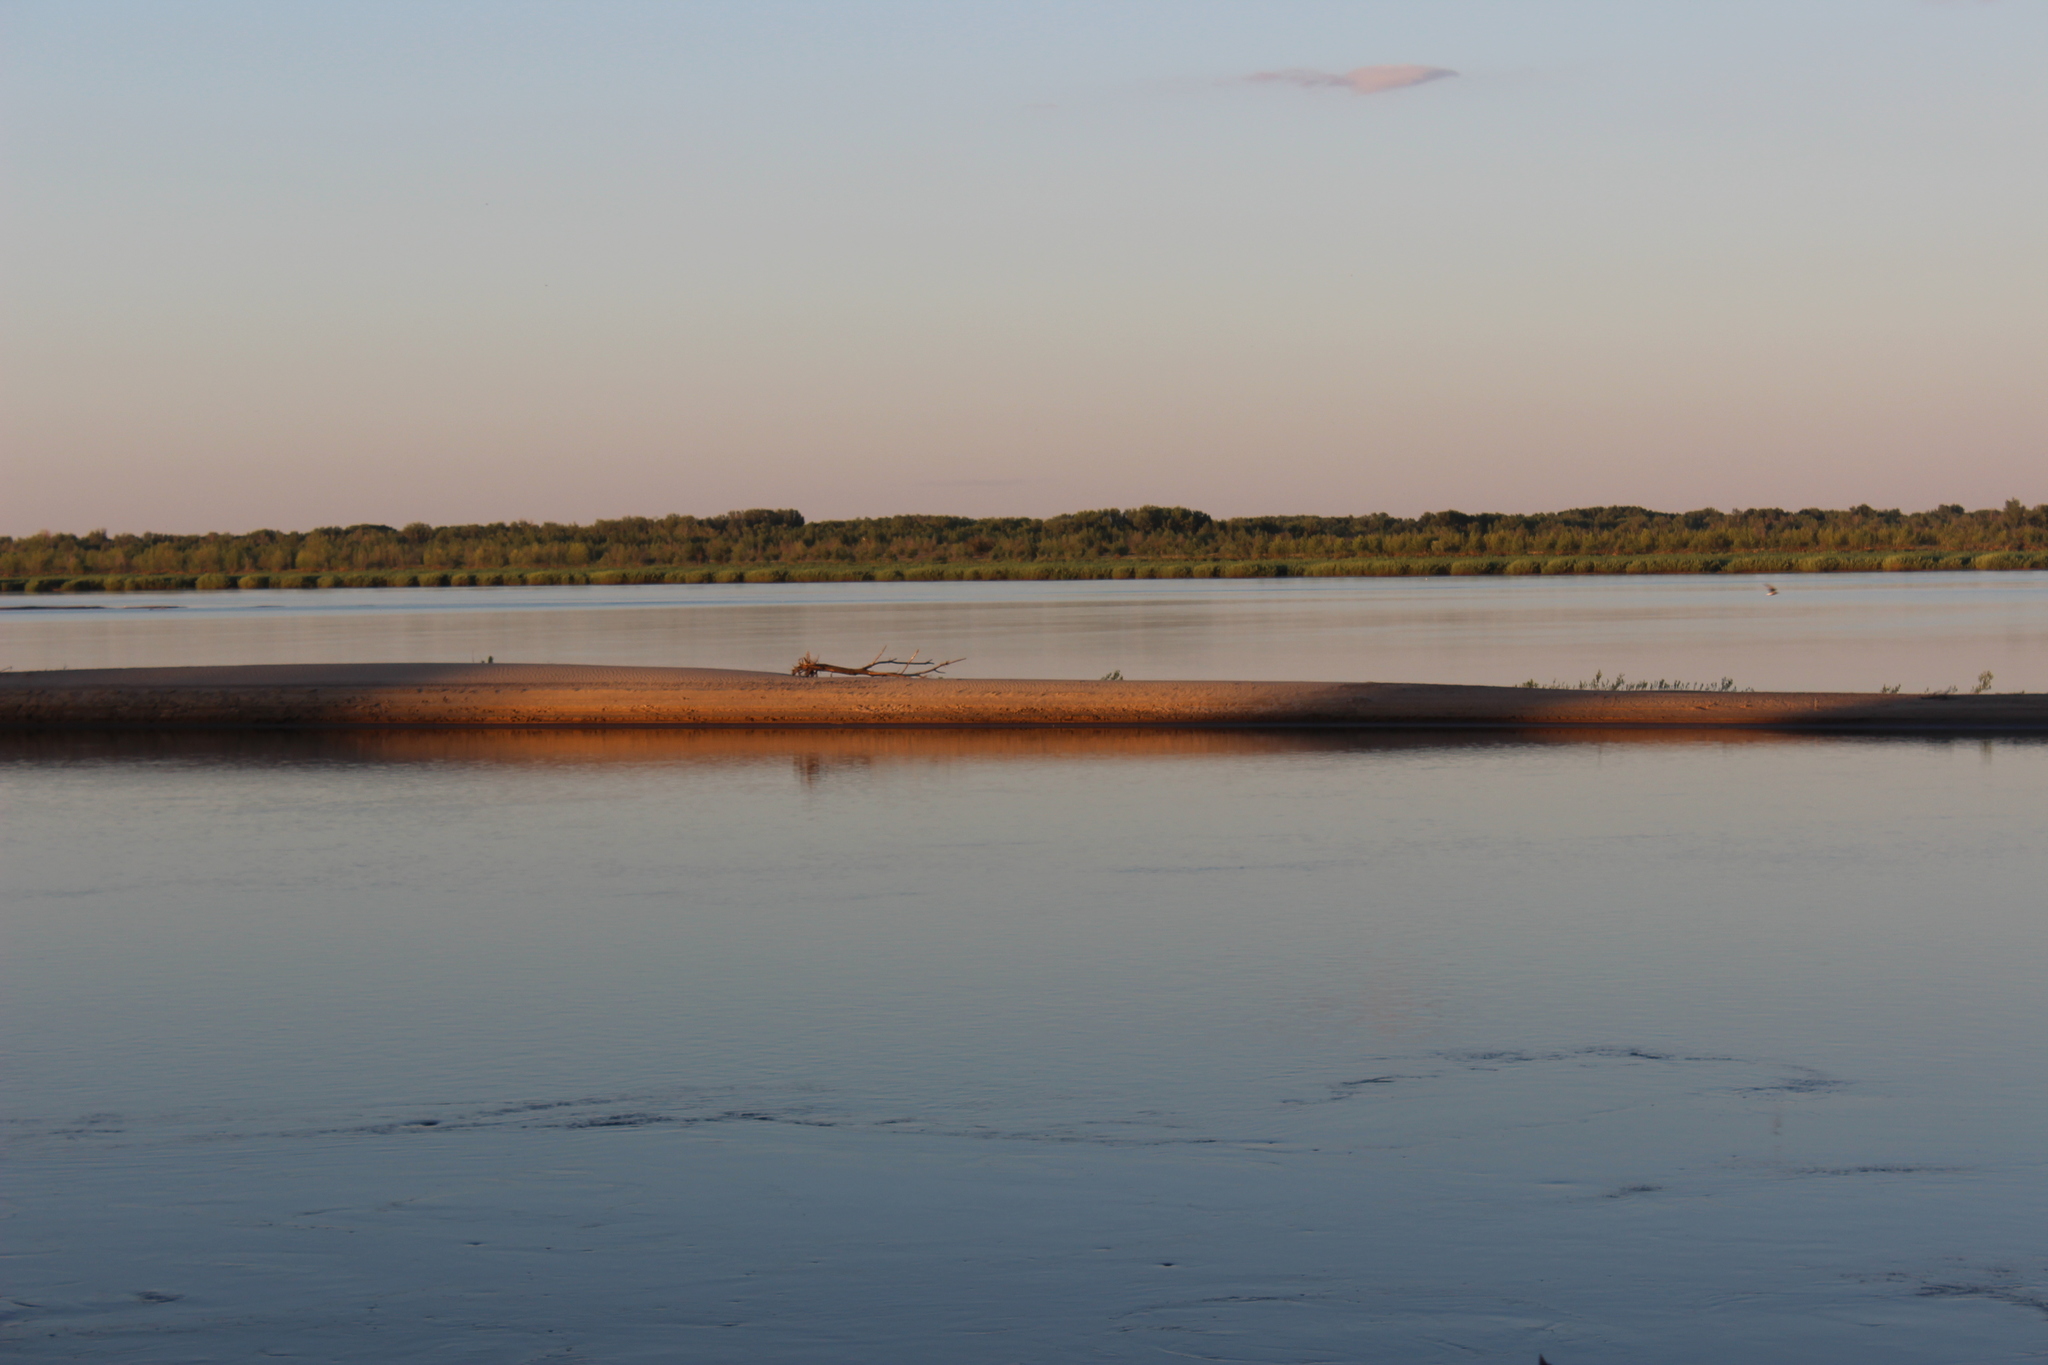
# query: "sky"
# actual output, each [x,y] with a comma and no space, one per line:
[287,263]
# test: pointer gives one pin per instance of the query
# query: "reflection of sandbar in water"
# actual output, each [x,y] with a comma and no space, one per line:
[531,696]
[817,752]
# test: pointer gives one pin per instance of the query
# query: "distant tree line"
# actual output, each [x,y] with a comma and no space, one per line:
[770,537]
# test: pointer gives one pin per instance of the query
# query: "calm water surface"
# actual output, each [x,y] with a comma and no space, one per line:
[1038,1047]
[1852,632]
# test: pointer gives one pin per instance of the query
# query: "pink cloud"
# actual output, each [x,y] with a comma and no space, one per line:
[1366,80]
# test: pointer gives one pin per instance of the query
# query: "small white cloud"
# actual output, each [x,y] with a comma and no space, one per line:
[1365,80]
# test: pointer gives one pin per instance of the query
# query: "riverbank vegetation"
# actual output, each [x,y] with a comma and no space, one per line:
[779,546]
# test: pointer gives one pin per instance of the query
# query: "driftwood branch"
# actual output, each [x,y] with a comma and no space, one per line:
[810,666]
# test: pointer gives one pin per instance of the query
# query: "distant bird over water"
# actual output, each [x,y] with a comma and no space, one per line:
[1771,590]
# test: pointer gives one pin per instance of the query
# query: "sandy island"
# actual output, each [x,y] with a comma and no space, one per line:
[319,696]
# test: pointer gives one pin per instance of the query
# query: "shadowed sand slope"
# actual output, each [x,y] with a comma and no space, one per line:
[581,695]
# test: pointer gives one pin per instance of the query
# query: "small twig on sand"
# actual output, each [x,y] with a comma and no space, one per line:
[810,666]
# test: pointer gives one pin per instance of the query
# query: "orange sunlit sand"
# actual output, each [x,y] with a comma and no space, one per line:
[312,696]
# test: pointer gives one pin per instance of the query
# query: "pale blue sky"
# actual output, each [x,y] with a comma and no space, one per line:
[291,264]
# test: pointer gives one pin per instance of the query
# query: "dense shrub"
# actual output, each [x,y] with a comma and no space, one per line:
[779,545]
[764,537]
[2012,559]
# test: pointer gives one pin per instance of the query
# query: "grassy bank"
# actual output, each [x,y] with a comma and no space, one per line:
[1042,570]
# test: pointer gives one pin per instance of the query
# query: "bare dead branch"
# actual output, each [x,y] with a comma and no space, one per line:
[810,666]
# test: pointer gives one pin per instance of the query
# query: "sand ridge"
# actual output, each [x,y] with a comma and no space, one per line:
[312,696]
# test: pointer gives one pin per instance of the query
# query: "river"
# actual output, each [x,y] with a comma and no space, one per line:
[1039,1047]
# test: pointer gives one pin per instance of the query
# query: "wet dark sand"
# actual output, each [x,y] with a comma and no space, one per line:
[440,696]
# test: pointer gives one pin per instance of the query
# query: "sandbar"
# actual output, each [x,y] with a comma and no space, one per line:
[594,696]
